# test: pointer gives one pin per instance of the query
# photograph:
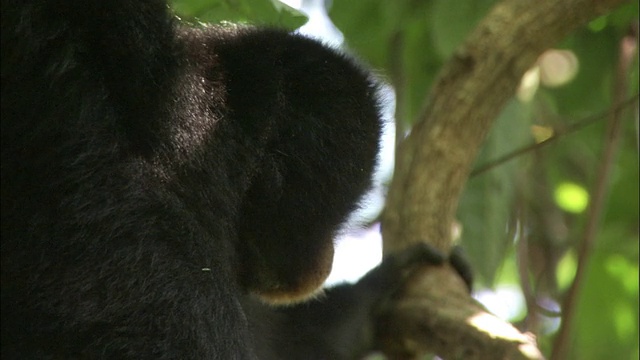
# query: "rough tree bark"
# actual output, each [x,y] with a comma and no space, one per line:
[433,312]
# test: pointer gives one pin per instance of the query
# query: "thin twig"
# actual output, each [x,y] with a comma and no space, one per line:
[558,133]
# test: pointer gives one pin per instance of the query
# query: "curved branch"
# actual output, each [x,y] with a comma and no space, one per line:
[471,90]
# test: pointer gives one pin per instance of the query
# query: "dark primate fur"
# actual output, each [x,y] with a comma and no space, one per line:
[157,178]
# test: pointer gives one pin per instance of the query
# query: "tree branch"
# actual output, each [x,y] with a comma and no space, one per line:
[433,164]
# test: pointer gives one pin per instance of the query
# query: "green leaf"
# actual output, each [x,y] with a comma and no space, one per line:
[366,26]
[607,312]
[258,12]
[486,206]
[566,271]
[571,197]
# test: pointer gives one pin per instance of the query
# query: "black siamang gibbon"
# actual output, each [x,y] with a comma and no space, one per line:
[164,185]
